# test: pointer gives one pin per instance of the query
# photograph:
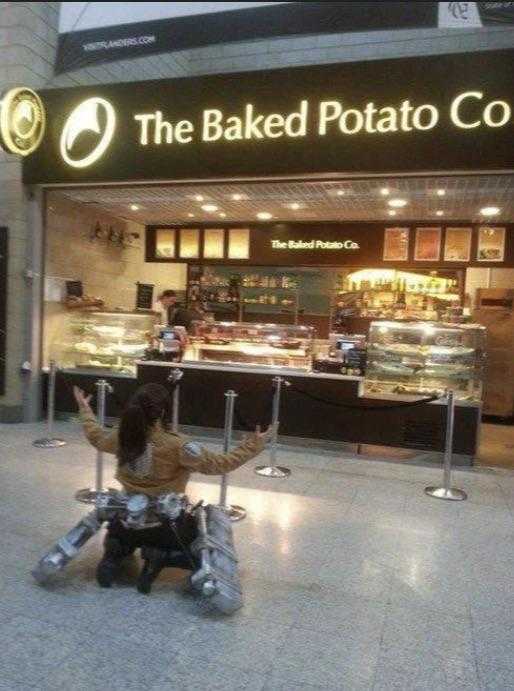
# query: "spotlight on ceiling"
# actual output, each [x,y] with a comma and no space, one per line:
[294,206]
[223,214]
[490,211]
[264,216]
[134,207]
[384,191]
[391,212]
[439,213]
[441,192]
[198,198]
[210,208]
[237,197]
[397,203]
[340,193]
[191,215]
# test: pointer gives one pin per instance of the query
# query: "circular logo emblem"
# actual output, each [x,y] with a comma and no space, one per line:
[87,133]
[22,121]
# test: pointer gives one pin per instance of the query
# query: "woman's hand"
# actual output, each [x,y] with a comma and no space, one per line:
[83,401]
[267,435]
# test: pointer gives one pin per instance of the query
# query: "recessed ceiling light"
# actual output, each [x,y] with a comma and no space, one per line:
[441,192]
[294,206]
[210,208]
[340,193]
[391,212]
[223,215]
[198,198]
[191,215]
[397,203]
[490,211]
[134,207]
[439,213]
[384,191]
[237,197]
[264,216]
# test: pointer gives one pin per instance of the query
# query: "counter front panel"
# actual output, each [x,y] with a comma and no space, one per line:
[312,408]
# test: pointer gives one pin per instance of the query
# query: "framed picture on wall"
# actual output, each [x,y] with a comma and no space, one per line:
[165,240]
[457,245]
[396,244]
[491,244]
[428,245]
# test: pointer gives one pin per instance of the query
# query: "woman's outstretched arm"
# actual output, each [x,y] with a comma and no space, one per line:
[98,437]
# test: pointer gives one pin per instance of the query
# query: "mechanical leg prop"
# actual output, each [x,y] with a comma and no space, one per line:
[211,557]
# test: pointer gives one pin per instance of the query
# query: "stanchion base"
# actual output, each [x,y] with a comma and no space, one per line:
[49,443]
[88,495]
[235,512]
[273,471]
[451,494]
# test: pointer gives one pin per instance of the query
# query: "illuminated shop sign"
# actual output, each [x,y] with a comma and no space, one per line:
[345,245]
[331,117]
[22,121]
[467,110]
[434,113]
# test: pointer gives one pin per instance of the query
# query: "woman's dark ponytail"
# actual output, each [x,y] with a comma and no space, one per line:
[149,404]
[132,434]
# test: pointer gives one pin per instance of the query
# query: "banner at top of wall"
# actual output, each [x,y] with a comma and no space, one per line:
[98,32]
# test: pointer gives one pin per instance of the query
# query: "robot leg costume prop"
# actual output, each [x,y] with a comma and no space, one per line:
[217,579]
[67,548]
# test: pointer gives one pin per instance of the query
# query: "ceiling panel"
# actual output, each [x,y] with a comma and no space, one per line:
[349,200]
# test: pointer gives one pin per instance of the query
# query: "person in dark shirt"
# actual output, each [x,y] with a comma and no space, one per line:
[176,315]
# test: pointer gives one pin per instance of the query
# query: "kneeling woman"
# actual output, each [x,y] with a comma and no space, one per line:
[153,461]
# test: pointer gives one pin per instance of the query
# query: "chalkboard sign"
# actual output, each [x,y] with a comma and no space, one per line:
[3,304]
[144,297]
[74,289]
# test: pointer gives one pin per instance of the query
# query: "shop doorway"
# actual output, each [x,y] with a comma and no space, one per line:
[104,242]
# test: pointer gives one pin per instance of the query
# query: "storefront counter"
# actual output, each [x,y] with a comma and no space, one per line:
[315,406]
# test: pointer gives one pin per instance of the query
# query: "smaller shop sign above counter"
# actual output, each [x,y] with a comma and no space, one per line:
[334,244]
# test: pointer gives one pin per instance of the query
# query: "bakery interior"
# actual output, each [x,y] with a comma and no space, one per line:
[425,302]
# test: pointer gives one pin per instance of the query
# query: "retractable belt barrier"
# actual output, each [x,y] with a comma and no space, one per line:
[235,513]
[50,442]
[232,410]
[88,495]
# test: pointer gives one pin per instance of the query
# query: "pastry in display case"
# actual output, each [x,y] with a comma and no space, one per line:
[269,345]
[426,359]
[110,341]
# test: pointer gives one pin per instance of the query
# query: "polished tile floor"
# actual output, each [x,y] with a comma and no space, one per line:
[353,579]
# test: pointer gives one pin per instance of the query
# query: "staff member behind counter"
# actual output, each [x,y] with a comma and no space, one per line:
[174,314]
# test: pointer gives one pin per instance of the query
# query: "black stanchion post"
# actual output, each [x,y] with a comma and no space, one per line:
[175,377]
[50,442]
[447,491]
[274,470]
[236,513]
[88,495]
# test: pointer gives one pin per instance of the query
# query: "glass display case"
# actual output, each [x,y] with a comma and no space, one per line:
[269,345]
[425,359]
[110,341]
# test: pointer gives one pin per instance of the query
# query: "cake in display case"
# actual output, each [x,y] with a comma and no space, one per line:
[426,359]
[110,341]
[239,343]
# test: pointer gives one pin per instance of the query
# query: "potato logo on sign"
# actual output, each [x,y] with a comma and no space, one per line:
[22,121]
[88,132]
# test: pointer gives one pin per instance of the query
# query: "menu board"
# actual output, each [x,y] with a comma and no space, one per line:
[144,296]
[428,245]
[491,244]
[457,245]
[396,244]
